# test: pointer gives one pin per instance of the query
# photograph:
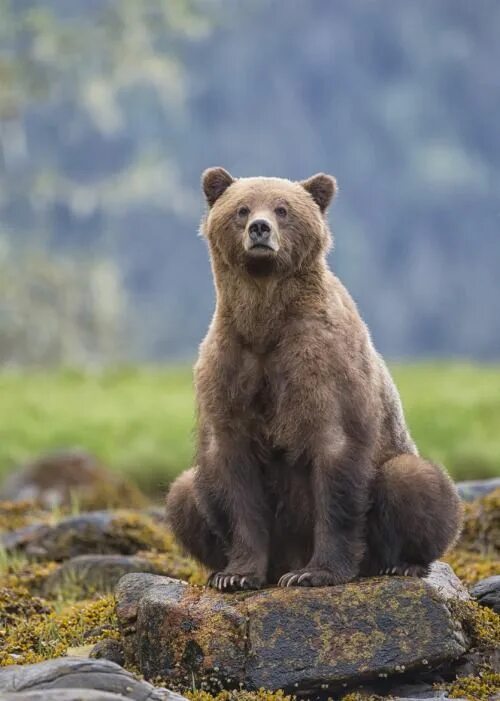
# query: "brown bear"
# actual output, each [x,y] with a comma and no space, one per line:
[306,474]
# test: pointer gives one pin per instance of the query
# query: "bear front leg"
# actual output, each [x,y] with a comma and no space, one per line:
[340,494]
[238,482]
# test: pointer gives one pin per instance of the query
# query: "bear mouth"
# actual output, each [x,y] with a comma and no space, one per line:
[262,247]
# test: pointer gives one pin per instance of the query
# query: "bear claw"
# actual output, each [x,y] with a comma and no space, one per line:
[227,582]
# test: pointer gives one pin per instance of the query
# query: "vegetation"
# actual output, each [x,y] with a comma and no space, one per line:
[140,420]
[110,110]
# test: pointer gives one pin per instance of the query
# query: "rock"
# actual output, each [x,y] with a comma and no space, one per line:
[298,639]
[94,532]
[63,695]
[487,593]
[474,489]
[74,675]
[444,580]
[108,649]
[87,574]
[61,478]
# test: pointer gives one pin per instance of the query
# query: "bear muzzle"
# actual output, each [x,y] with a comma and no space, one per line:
[261,235]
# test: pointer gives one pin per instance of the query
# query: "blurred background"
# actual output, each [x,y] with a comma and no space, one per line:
[110,110]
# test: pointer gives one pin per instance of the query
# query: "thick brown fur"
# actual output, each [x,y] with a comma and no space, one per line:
[306,473]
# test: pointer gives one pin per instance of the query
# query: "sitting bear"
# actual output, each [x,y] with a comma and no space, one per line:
[306,474]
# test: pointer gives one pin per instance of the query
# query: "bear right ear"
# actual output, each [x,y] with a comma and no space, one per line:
[215,182]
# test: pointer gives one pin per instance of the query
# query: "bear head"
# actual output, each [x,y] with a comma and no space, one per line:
[267,226]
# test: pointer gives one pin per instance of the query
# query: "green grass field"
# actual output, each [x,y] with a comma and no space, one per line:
[141,420]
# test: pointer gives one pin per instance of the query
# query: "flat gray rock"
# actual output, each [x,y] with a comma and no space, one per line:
[474,489]
[87,574]
[487,592]
[75,673]
[298,639]
[62,695]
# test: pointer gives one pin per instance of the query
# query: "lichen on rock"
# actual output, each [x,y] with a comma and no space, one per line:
[291,639]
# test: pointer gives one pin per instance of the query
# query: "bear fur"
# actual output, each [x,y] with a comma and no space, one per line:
[306,474]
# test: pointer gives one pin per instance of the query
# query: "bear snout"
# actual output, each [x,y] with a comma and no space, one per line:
[260,234]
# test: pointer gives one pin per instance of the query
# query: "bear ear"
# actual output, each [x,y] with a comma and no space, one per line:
[322,189]
[215,182]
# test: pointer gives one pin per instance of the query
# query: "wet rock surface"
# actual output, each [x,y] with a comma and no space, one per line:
[72,675]
[300,640]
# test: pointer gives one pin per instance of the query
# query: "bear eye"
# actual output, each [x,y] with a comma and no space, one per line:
[243,212]
[281,211]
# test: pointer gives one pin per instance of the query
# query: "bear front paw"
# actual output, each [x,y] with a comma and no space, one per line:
[225,581]
[311,577]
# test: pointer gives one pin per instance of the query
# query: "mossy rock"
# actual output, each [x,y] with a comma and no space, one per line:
[296,639]
[487,593]
[82,576]
[62,478]
[102,532]
[481,530]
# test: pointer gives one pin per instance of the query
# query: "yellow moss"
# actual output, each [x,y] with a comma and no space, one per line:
[260,695]
[17,605]
[47,635]
[109,495]
[174,564]
[481,624]
[481,529]
[143,530]
[17,514]
[471,567]
[482,687]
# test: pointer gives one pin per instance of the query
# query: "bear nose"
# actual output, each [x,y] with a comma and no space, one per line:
[259,231]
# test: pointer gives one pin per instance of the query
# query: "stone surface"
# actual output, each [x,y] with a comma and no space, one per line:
[299,639]
[87,574]
[94,532]
[108,649]
[487,593]
[443,579]
[63,477]
[70,673]
[473,489]
[62,695]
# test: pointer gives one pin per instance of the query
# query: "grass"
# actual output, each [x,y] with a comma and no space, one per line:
[140,420]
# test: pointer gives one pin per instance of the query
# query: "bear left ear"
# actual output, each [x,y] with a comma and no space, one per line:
[322,189]
[215,182]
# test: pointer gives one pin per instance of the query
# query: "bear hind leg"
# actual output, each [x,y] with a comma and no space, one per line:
[415,515]
[189,525]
